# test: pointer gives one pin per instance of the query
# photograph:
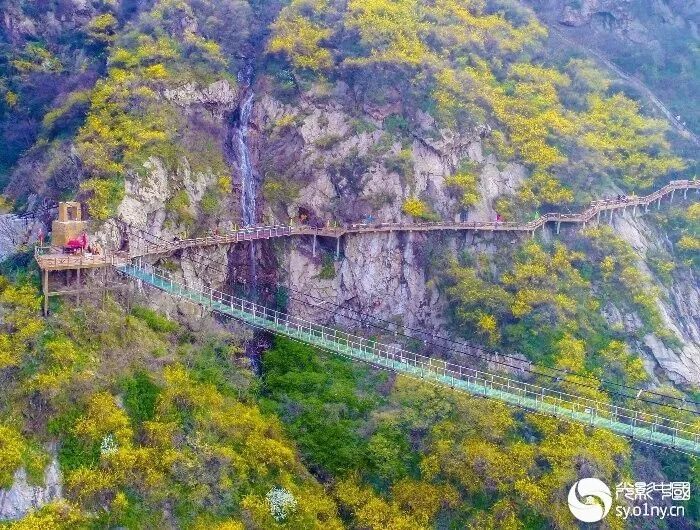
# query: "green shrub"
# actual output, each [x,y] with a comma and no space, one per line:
[396,124]
[104,196]
[210,202]
[278,189]
[360,126]
[154,320]
[415,207]
[401,163]
[12,448]
[140,397]
[179,204]
[318,397]
[327,268]
[465,184]
[327,141]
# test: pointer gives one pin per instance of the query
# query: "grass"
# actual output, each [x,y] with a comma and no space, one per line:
[154,320]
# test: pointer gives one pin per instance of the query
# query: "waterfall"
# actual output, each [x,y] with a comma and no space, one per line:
[245,167]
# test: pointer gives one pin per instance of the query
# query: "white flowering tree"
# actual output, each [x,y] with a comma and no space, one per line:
[281,503]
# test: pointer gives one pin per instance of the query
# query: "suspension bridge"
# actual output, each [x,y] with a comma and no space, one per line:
[639,425]
[650,427]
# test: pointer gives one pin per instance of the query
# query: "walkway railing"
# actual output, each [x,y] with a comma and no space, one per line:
[637,424]
[146,244]
[54,259]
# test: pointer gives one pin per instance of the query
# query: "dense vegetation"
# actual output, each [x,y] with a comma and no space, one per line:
[476,62]
[157,427]
[154,424]
[656,50]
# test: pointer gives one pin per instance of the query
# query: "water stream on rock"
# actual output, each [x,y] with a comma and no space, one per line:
[246,167]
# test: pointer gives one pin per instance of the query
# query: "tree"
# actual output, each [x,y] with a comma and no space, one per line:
[12,447]
[301,36]
[622,141]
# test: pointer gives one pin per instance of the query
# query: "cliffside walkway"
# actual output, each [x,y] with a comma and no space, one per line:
[146,245]
[639,425]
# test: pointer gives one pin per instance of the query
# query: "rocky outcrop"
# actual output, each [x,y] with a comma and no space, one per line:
[679,306]
[583,12]
[219,97]
[16,233]
[147,202]
[346,180]
[18,24]
[23,497]
[379,274]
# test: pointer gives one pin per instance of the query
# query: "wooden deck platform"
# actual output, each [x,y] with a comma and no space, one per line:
[53,259]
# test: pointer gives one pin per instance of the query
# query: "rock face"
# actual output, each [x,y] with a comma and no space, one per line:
[16,233]
[23,497]
[218,97]
[381,274]
[679,305]
[617,10]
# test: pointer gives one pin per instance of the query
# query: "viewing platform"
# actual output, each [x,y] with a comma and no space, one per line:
[55,259]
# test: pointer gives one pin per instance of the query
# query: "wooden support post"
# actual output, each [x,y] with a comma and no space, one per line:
[77,277]
[46,291]
[104,286]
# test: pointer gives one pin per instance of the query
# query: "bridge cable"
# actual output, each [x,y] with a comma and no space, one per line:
[483,356]
[427,381]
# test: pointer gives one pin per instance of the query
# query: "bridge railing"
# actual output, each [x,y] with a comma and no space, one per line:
[53,258]
[142,245]
[624,420]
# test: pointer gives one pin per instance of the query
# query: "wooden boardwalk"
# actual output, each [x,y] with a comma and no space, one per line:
[144,244]
[147,244]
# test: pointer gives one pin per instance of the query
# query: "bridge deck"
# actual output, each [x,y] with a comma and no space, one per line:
[637,424]
[53,259]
